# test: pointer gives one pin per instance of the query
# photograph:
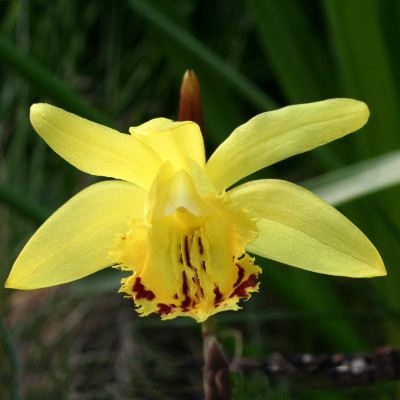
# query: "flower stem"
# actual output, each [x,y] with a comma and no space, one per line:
[209,327]
[216,368]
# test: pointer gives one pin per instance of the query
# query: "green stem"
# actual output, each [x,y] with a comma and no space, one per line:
[209,327]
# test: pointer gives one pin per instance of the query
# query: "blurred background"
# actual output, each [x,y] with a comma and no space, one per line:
[120,63]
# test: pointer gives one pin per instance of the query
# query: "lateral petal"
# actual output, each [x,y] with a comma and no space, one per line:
[75,241]
[94,148]
[276,135]
[300,229]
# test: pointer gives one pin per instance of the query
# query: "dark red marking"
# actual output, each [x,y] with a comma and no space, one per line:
[203,265]
[185,304]
[142,293]
[218,295]
[187,254]
[241,290]
[164,309]
[185,286]
[176,296]
[201,289]
[123,237]
[185,290]
[180,255]
[200,246]
[240,275]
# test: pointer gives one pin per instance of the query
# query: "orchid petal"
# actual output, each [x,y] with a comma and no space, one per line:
[276,135]
[75,241]
[300,229]
[172,141]
[94,148]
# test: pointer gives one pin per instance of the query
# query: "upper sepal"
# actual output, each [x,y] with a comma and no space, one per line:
[276,135]
[94,148]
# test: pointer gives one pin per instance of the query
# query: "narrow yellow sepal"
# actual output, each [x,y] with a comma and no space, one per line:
[275,135]
[94,148]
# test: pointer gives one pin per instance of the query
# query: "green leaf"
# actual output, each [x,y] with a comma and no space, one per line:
[294,50]
[22,204]
[357,180]
[367,74]
[46,81]
[203,55]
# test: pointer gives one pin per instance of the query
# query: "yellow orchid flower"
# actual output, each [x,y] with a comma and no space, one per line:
[170,221]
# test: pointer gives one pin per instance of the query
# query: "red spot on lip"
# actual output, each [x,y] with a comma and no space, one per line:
[241,290]
[185,304]
[164,309]
[200,246]
[218,295]
[141,291]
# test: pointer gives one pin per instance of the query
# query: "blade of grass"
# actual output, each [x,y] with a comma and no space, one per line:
[295,52]
[46,81]
[203,55]
[23,205]
[362,53]
[357,180]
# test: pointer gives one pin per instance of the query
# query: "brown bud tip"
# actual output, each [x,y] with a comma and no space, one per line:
[190,103]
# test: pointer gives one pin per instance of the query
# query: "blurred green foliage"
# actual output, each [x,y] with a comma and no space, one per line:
[121,63]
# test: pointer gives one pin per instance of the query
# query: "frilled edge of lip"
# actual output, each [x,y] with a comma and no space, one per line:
[188,305]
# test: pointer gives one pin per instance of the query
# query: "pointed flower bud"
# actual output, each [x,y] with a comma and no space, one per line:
[190,103]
